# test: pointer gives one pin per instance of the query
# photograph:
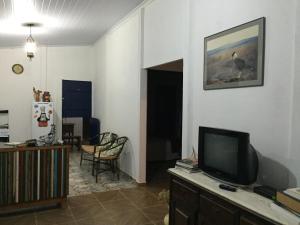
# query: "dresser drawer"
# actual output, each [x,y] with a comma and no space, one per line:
[247,219]
[184,193]
[184,204]
[214,211]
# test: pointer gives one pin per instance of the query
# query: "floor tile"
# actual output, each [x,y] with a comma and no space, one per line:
[87,211]
[82,200]
[141,197]
[115,207]
[155,189]
[101,220]
[134,192]
[66,223]
[161,222]
[156,213]
[55,216]
[26,219]
[146,200]
[109,196]
[131,217]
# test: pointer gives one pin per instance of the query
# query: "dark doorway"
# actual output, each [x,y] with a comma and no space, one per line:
[77,102]
[164,122]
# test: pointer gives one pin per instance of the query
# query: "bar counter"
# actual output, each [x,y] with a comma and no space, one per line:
[33,175]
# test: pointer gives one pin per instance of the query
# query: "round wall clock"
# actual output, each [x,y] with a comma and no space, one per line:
[17,68]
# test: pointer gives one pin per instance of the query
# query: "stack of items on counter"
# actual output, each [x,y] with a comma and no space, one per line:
[187,165]
[290,199]
[288,205]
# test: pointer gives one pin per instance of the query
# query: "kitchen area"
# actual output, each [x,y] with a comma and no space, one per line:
[4,127]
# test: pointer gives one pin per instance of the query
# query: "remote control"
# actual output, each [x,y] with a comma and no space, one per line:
[227,188]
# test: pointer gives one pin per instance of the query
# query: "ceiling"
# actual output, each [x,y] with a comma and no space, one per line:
[65,22]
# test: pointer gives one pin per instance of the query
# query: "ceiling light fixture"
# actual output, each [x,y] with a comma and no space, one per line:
[30,46]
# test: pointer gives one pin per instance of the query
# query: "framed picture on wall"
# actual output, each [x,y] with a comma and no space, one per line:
[235,58]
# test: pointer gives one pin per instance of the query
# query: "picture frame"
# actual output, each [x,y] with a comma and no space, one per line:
[234,58]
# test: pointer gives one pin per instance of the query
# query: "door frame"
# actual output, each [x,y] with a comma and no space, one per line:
[58,99]
[143,120]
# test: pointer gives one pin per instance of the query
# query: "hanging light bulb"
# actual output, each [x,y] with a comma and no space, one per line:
[30,46]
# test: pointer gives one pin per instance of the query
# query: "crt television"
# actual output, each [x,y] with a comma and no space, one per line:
[227,155]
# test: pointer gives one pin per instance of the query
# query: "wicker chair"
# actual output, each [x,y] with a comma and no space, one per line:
[89,151]
[108,157]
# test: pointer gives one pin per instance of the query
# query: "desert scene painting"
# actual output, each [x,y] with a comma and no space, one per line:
[232,57]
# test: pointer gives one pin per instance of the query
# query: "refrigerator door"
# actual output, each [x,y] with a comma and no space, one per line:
[42,118]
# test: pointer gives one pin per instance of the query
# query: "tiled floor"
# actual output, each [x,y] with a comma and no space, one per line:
[82,182]
[134,206]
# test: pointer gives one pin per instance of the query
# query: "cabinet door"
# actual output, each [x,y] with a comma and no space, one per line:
[214,211]
[183,203]
[251,220]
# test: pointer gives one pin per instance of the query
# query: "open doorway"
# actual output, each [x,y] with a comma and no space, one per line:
[76,111]
[164,119]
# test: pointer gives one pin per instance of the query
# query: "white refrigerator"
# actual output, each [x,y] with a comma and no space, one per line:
[42,118]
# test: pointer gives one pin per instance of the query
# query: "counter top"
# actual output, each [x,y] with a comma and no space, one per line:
[248,200]
[3,146]
[9,148]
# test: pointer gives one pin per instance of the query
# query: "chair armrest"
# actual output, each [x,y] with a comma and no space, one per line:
[107,146]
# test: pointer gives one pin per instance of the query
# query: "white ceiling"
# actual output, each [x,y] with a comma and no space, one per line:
[65,22]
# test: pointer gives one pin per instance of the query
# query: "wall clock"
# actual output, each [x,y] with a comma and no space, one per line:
[17,68]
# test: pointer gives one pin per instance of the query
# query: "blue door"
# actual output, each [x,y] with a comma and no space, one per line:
[77,99]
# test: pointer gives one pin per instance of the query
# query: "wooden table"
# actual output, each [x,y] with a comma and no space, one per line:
[68,135]
[68,129]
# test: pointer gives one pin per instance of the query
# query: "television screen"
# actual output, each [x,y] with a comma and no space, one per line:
[227,155]
[221,153]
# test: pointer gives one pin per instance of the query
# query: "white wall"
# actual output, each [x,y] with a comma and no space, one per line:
[45,72]
[294,153]
[166,39]
[168,34]
[164,31]
[117,88]
[262,111]
[154,34]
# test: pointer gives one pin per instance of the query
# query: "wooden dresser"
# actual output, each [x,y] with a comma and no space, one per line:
[196,199]
[30,176]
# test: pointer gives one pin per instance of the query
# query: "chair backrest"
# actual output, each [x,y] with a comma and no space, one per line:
[116,148]
[120,143]
[121,140]
[107,137]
